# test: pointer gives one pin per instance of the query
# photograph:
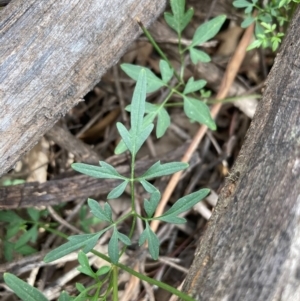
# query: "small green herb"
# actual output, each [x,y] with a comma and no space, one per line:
[25,229]
[270,21]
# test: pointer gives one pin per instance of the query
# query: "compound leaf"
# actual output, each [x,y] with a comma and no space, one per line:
[180,19]
[138,133]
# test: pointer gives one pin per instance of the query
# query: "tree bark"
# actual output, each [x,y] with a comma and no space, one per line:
[250,250]
[51,54]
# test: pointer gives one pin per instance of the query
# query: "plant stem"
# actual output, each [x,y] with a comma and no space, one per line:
[157,48]
[132,183]
[132,192]
[174,104]
[232,99]
[133,212]
[122,218]
[181,57]
[115,283]
[94,286]
[159,106]
[130,233]
[56,232]
[162,285]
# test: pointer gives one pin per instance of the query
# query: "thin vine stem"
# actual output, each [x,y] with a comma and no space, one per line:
[115,283]
[133,211]
[152,281]
[157,48]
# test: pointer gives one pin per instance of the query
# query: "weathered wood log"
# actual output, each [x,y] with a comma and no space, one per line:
[250,249]
[51,54]
[71,187]
[82,152]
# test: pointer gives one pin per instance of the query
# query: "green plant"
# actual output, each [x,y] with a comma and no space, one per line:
[192,92]
[133,140]
[142,115]
[20,232]
[271,20]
